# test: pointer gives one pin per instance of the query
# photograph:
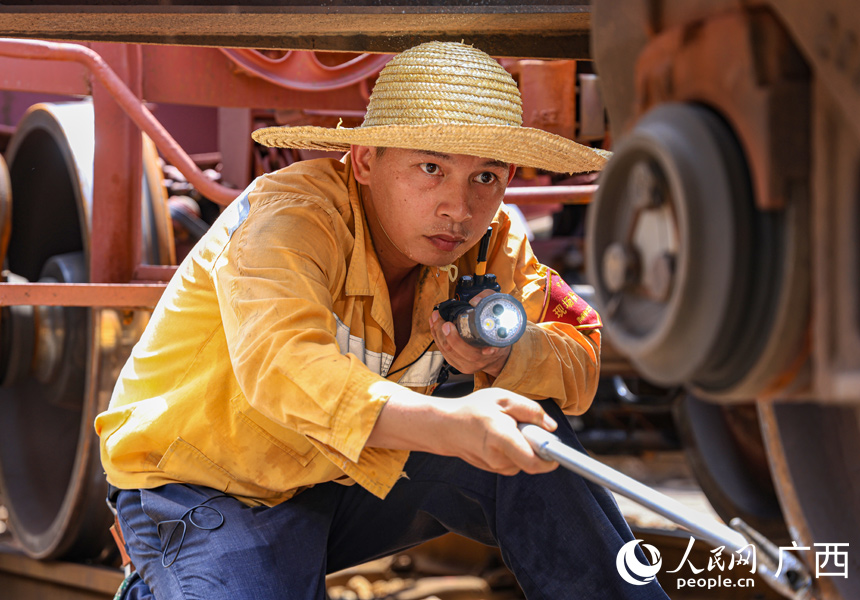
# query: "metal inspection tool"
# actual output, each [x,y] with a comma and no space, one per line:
[793,581]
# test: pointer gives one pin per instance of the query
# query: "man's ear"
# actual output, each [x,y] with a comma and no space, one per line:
[512,170]
[362,159]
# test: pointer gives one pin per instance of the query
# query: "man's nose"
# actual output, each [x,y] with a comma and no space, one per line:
[456,204]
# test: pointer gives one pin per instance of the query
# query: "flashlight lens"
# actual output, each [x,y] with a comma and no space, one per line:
[500,320]
[510,319]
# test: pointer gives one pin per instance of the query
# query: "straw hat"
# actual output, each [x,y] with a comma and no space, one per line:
[446,97]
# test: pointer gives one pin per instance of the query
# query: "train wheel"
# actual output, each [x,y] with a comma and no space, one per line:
[5,208]
[41,445]
[57,364]
[695,285]
[724,448]
[813,451]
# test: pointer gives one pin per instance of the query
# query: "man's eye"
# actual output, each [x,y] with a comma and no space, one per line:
[430,168]
[486,177]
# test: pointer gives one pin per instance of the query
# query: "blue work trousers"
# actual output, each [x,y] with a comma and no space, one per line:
[557,532]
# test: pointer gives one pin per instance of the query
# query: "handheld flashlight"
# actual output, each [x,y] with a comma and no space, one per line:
[498,320]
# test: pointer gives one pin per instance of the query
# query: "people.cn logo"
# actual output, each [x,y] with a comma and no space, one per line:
[631,568]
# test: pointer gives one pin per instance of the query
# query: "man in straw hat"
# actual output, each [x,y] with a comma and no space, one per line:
[296,350]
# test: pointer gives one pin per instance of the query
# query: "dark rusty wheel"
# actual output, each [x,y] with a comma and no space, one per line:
[667,231]
[813,450]
[43,450]
[695,285]
[41,444]
[726,453]
[5,208]
[57,364]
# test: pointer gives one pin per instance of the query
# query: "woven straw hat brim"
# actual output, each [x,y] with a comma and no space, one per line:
[522,146]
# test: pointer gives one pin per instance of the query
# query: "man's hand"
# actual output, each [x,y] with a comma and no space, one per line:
[480,428]
[459,353]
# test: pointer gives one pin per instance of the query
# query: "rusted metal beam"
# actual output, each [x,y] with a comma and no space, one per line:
[18,75]
[549,29]
[549,95]
[115,236]
[154,272]
[762,100]
[827,34]
[127,295]
[22,577]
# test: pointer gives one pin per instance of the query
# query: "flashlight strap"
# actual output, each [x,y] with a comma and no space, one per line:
[444,373]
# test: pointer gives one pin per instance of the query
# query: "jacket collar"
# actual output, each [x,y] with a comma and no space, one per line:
[364,273]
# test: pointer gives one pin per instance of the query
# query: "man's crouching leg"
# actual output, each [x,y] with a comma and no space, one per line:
[194,542]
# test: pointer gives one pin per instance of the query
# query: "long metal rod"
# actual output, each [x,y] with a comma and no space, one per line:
[699,524]
[793,580]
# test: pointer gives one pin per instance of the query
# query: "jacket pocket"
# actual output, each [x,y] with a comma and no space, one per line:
[182,459]
[288,441]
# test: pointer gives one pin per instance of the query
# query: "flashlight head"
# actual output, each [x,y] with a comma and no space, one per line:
[498,320]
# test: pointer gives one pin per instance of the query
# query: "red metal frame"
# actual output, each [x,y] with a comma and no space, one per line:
[128,101]
[118,76]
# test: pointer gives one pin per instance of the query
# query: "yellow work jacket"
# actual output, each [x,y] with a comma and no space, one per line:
[263,368]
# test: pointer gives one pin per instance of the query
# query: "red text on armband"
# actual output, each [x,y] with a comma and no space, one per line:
[563,305]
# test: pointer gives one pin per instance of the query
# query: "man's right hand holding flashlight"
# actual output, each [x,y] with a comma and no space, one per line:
[463,356]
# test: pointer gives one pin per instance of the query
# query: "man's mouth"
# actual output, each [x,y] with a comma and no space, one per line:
[446,243]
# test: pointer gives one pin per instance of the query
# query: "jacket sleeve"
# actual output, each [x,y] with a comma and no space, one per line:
[275,282]
[559,354]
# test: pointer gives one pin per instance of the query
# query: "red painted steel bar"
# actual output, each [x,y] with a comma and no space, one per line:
[115,239]
[125,295]
[563,194]
[17,75]
[154,272]
[173,152]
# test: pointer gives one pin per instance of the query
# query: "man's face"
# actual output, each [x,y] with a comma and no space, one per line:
[433,207]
